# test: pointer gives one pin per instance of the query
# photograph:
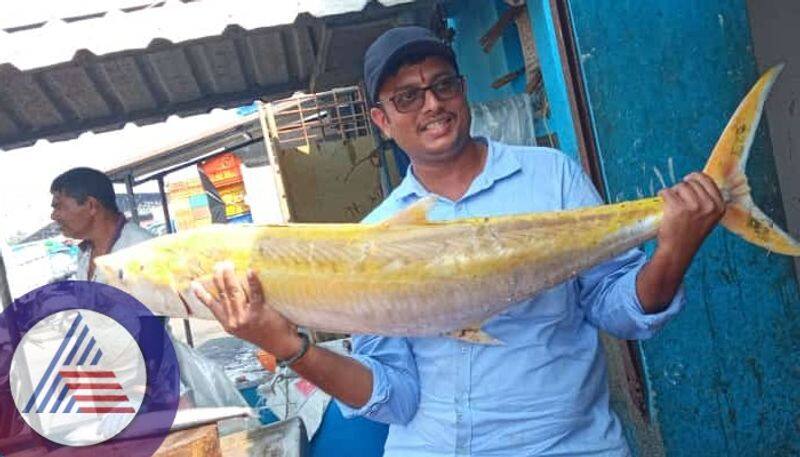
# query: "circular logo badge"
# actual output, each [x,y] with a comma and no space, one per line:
[78,377]
[86,368]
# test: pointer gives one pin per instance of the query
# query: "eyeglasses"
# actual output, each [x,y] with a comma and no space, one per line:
[413,99]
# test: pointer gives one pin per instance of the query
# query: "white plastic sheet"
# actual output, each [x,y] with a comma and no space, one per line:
[509,121]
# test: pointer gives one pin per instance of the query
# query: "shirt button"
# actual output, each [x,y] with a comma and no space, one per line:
[464,349]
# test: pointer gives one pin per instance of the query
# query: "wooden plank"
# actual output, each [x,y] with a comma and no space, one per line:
[199,441]
[286,438]
[32,452]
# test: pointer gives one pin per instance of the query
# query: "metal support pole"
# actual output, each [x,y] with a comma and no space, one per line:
[164,204]
[5,287]
[134,208]
[268,130]
[187,328]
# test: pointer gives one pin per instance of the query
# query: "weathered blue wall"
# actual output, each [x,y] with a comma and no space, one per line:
[662,79]
[471,19]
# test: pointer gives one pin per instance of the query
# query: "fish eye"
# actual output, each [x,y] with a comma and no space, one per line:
[121,274]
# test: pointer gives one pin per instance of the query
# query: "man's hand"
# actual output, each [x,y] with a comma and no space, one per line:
[691,210]
[243,312]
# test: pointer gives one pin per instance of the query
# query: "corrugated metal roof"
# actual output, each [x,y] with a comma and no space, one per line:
[181,58]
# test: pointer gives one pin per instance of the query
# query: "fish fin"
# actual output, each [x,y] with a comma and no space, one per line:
[415,214]
[474,335]
[726,167]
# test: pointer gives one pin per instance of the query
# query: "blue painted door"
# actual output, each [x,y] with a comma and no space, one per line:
[662,77]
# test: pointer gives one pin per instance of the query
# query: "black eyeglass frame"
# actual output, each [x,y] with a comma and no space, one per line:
[420,101]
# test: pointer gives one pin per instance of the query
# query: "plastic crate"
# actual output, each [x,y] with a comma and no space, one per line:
[246,218]
[234,198]
[198,201]
[223,169]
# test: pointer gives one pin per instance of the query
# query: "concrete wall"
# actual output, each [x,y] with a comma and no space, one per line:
[775,28]
[332,181]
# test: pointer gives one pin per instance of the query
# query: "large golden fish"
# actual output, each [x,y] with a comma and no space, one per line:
[411,277]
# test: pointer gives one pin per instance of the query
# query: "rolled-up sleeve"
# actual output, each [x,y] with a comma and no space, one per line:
[608,291]
[395,382]
[610,302]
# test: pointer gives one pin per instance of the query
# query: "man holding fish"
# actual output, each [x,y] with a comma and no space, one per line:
[543,389]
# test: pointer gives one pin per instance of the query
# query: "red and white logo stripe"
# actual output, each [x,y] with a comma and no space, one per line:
[96,392]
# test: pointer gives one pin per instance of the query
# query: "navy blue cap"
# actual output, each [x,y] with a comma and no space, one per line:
[395,45]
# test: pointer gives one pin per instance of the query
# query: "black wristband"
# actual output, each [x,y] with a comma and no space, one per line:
[303,349]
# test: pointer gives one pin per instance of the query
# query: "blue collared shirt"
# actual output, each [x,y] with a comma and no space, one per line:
[544,391]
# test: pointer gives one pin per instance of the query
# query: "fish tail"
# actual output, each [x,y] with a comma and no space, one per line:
[726,167]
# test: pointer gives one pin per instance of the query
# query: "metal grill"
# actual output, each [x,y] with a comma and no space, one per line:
[339,114]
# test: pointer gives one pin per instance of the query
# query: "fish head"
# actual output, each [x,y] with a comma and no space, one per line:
[144,272]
